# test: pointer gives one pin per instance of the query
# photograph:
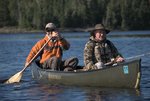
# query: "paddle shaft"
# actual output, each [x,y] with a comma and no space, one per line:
[35,55]
[138,56]
[17,76]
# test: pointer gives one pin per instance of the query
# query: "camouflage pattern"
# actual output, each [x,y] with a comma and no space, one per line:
[99,51]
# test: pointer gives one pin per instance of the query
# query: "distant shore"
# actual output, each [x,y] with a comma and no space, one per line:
[8,30]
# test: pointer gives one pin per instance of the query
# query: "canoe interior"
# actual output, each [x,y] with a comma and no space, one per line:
[124,75]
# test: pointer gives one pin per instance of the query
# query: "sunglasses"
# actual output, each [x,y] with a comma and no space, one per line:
[50,30]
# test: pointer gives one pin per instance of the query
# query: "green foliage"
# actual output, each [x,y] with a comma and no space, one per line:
[4,13]
[115,14]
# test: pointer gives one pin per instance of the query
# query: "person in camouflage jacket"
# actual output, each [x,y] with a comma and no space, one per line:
[99,50]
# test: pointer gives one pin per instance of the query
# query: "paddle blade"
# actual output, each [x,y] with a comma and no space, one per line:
[15,78]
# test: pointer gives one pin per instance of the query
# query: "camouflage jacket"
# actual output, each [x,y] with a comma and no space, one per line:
[99,51]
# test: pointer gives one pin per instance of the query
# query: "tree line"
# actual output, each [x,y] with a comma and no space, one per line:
[115,14]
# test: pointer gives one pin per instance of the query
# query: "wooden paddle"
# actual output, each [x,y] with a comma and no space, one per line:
[17,76]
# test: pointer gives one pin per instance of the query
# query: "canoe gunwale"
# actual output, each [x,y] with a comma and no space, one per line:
[110,75]
[107,67]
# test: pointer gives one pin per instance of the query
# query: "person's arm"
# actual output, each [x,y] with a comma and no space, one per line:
[34,51]
[117,56]
[64,43]
[88,56]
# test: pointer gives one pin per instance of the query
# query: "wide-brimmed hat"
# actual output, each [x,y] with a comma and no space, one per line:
[98,27]
[50,26]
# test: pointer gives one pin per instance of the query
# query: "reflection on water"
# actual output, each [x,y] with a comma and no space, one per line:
[112,94]
[15,47]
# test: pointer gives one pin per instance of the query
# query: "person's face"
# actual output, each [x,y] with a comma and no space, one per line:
[53,33]
[100,35]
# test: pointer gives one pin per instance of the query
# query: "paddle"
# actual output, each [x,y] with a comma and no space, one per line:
[138,56]
[17,76]
[112,62]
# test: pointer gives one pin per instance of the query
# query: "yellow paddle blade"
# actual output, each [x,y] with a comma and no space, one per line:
[15,78]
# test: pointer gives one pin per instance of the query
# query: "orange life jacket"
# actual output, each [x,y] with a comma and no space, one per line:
[53,48]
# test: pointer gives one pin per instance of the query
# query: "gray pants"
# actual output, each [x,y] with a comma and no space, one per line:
[55,63]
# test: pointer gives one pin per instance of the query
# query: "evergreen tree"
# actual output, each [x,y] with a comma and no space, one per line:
[125,14]
[13,11]
[120,14]
[144,15]
[113,15]
[4,13]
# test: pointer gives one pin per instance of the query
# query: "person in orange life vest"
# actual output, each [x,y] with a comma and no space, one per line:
[51,55]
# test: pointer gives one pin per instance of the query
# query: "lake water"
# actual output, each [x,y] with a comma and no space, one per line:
[14,49]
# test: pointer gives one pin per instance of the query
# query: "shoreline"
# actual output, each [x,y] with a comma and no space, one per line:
[14,30]
[8,30]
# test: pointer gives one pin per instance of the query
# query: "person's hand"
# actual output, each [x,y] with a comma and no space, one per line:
[99,65]
[56,34]
[48,35]
[119,59]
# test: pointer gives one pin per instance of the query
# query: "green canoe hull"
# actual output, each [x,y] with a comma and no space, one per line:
[123,75]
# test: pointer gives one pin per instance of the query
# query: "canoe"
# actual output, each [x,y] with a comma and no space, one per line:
[123,75]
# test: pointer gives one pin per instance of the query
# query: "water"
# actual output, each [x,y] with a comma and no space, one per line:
[15,48]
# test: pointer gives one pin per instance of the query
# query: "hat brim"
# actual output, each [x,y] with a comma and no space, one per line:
[93,29]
